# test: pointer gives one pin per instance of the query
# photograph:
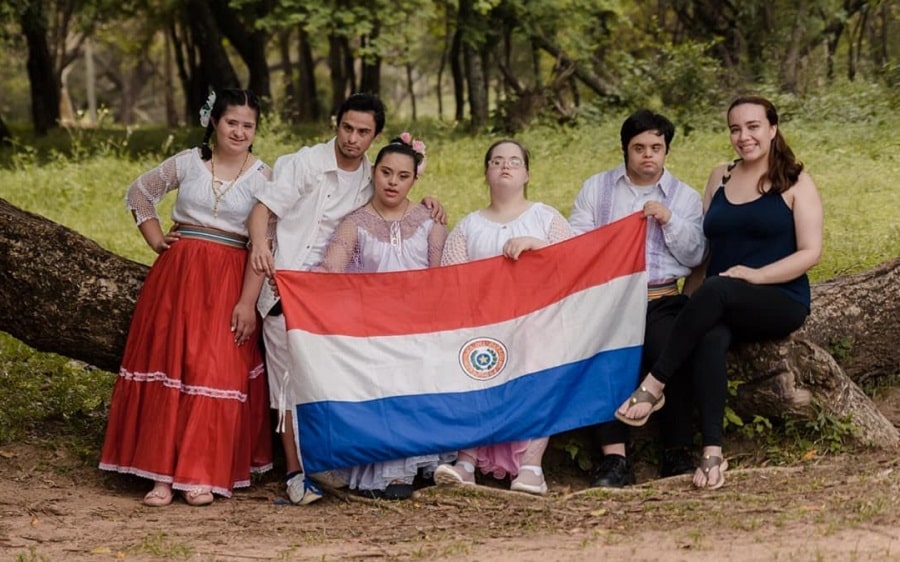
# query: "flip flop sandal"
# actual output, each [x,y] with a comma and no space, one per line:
[639,396]
[708,463]
[198,497]
[157,498]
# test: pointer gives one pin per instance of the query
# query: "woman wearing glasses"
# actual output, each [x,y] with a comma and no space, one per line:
[509,225]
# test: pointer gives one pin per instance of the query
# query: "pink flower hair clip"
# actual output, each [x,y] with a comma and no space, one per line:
[418,147]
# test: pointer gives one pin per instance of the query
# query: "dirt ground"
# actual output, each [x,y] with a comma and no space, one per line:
[828,508]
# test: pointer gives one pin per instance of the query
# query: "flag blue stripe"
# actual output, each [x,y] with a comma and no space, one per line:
[342,434]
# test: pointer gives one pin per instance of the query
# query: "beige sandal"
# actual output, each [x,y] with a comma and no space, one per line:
[198,497]
[159,496]
[641,395]
[708,463]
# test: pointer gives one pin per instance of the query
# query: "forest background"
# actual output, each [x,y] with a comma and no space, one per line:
[94,92]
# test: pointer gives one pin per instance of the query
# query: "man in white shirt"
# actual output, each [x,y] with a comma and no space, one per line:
[311,191]
[675,244]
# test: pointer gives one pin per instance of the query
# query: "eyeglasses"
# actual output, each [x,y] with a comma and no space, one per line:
[498,162]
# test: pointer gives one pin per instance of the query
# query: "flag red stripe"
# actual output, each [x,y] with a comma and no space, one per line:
[472,294]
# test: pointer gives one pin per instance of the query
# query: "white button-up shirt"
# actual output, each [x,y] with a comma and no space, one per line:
[673,248]
[305,194]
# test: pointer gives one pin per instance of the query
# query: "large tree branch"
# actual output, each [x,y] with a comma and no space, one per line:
[63,293]
[589,78]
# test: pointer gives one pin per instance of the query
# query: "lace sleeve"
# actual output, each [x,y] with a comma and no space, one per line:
[455,250]
[560,229]
[342,252]
[436,239]
[149,189]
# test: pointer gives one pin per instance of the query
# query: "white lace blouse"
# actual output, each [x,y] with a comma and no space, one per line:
[476,237]
[365,242]
[196,201]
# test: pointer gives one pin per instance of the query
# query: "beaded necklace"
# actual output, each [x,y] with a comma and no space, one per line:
[226,186]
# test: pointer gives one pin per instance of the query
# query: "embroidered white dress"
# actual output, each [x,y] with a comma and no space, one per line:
[365,242]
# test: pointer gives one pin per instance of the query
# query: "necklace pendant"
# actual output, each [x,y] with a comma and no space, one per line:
[396,235]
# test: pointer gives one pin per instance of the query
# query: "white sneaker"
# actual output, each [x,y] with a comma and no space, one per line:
[330,478]
[447,475]
[532,483]
[302,491]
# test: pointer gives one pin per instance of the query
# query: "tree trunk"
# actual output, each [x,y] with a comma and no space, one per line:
[215,68]
[339,72]
[459,82]
[45,91]
[855,319]
[310,108]
[370,74]
[62,293]
[797,377]
[5,134]
[248,39]
[290,105]
[476,80]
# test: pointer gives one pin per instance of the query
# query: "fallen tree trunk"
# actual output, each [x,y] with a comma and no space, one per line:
[61,292]
[855,318]
[799,378]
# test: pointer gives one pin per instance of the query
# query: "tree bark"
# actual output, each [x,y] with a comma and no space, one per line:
[310,108]
[249,40]
[855,318]
[215,69]
[62,293]
[45,86]
[797,377]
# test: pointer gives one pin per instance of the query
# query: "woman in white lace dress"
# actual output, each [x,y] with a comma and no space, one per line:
[389,233]
[509,225]
[189,409]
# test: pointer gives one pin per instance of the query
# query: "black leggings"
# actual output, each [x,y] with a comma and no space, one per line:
[723,310]
[675,427]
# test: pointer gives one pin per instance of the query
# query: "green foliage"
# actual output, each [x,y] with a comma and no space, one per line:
[824,432]
[79,179]
[39,391]
[682,81]
[840,349]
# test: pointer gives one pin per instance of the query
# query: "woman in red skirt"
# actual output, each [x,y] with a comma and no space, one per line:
[190,407]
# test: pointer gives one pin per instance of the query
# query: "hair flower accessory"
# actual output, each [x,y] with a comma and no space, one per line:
[418,147]
[206,110]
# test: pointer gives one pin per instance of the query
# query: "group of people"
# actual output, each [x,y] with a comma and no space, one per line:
[190,407]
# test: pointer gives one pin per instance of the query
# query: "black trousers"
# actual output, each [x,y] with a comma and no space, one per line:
[675,417]
[721,311]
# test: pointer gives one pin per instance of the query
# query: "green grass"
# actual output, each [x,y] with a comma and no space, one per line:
[79,179]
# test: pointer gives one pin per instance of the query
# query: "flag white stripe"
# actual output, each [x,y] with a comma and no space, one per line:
[578,327]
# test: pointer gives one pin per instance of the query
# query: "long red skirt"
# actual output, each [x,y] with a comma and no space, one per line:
[190,407]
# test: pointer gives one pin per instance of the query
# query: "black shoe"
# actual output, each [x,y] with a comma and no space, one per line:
[614,472]
[370,494]
[674,462]
[398,492]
